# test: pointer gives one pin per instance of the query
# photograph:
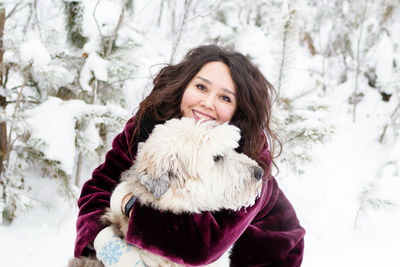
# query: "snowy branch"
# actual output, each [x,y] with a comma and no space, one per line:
[116,29]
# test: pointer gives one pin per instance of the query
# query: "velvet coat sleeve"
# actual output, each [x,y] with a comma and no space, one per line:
[96,192]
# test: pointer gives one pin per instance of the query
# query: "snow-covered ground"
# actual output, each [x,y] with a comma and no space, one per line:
[44,236]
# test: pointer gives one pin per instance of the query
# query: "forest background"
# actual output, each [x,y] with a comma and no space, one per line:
[73,72]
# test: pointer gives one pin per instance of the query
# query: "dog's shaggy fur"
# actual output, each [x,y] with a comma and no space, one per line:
[188,166]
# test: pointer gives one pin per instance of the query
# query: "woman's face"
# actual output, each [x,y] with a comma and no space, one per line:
[211,94]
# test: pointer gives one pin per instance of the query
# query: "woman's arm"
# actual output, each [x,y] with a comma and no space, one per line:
[96,192]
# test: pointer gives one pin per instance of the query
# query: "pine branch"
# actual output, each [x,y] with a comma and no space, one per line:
[367,200]
[9,142]
[303,94]
[73,13]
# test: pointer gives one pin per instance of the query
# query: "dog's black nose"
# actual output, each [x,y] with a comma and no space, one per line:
[258,173]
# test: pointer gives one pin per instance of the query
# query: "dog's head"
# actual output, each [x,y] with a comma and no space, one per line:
[193,166]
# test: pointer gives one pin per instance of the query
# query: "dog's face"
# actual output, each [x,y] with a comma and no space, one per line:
[192,166]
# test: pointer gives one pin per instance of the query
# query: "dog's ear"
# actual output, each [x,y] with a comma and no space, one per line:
[158,186]
[225,136]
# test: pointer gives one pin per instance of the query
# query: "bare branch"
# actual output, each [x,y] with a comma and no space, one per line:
[178,38]
[27,21]
[160,14]
[358,61]
[392,116]
[94,17]
[37,18]
[14,9]
[287,28]
[116,29]
[209,10]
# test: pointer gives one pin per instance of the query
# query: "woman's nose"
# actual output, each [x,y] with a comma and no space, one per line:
[208,102]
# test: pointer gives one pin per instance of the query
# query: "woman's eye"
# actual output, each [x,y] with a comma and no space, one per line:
[226,98]
[201,87]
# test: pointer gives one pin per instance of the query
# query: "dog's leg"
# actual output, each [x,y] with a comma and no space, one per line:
[84,262]
[118,223]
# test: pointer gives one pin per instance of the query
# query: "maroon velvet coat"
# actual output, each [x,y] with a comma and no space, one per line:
[266,234]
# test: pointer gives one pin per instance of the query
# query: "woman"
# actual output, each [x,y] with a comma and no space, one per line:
[210,83]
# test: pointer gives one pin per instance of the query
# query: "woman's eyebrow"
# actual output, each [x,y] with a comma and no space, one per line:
[204,80]
[210,83]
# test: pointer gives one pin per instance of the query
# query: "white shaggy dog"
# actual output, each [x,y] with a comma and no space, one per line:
[188,166]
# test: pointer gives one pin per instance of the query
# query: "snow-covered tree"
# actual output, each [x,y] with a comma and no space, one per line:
[38,65]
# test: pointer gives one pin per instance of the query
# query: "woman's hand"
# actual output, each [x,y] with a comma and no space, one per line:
[114,251]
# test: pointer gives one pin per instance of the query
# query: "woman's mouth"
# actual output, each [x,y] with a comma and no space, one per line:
[197,115]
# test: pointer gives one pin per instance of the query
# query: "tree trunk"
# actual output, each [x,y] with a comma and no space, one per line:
[3,102]
[3,144]
[78,169]
[2,21]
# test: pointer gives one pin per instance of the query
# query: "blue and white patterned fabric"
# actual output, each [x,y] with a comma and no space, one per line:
[115,252]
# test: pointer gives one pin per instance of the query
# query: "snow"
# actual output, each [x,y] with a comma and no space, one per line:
[99,19]
[52,118]
[94,65]
[45,235]
[33,51]
[327,193]
[326,196]
[384,62]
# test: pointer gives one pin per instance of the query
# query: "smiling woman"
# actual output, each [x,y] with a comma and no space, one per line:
[210,83]
[211,94]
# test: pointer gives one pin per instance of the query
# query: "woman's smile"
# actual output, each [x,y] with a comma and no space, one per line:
[197,115]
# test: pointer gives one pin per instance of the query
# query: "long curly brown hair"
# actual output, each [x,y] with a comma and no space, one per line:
[255,96]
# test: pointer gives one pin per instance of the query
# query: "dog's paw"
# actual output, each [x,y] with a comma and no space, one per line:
[118,223]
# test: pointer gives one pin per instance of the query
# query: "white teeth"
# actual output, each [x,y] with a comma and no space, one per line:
[201,116]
